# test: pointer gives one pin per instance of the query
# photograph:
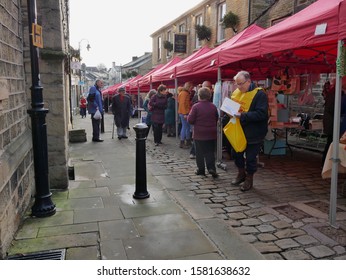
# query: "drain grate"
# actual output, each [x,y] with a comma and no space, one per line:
[46,255]
[337,234]
[291,212]
[322,206]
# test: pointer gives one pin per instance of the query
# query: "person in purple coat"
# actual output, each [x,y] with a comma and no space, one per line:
[157,106]
[204,117]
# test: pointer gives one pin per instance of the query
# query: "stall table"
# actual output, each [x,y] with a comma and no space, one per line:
[276,128]
[327,166]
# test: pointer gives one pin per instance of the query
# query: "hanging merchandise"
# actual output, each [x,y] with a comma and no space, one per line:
[278,83]
[341,61]
[293,85]
[307,97]
[285,82]
[217,95]
[226,90]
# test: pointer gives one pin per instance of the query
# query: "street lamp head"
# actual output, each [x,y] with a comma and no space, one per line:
[88,47]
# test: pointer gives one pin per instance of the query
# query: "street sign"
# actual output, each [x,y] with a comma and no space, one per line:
[37,39]
[75,65]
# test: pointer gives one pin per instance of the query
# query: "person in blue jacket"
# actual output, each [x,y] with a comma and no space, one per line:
[95,103]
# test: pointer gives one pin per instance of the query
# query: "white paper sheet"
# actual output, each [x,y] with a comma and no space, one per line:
[230,107]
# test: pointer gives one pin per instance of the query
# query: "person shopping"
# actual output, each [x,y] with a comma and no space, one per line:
[149,113]
[204,117]
[184,106]
[121,108]
[157,105]
[95,103]
[83,106]
[253,116]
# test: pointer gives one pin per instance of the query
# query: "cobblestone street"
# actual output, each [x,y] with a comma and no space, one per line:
[285,215]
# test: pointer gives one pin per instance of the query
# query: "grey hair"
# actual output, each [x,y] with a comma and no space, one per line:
[151,93]
[244,74]
[204,93]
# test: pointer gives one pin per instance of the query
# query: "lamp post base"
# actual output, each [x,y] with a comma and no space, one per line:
[43,207]
[141,195]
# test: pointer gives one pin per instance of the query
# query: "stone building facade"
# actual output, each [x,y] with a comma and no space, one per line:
[210,13]
[17,184]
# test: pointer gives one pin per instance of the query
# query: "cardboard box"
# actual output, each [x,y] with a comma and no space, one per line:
[279,148]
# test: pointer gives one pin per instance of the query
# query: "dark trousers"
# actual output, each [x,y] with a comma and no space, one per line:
[83,112]
[148,129]
[96,127]
[157,128]
[193,148]
[205,154]
[249,163]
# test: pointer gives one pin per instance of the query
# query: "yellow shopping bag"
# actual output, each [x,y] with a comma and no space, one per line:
[235,135]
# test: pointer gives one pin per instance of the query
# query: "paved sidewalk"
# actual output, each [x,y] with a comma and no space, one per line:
[98,218]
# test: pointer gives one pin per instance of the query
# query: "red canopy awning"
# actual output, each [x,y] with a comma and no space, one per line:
[307,41]
[168,74]
[205,66]
[111,89]
[147,79]
[144,82]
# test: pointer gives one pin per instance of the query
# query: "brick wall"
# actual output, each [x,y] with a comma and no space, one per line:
[16,162]
[17,185]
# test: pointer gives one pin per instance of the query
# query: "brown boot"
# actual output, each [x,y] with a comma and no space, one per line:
[248,184]
[240,177]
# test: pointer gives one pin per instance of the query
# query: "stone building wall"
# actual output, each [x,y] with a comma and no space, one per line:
[53,66]
[17,183]
[209,11]
[16,158]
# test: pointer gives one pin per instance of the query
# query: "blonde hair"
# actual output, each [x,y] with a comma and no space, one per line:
[188,86]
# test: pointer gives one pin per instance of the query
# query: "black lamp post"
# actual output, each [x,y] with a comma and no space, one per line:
[43,205]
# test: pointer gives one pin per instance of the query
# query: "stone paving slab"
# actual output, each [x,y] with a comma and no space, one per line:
[53,242]
[168,245]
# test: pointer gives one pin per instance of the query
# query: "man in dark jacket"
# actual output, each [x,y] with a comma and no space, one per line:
[253,115]
[121,109]
[95,103]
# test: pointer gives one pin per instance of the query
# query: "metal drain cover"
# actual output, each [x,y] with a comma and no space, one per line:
[291,212]
[322,206]
[46,255]
[339,235]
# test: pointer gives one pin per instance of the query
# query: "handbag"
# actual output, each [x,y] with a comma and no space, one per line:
[235,135]
[97,115]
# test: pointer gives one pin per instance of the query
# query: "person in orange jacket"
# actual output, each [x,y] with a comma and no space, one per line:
[184,106]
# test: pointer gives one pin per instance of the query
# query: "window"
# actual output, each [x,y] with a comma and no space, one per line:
[221,12]
[182,28]
[169,39]
[159,46]
[199,21]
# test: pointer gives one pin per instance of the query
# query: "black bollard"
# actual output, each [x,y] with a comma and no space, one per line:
[141,165]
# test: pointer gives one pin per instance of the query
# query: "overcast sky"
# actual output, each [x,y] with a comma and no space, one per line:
[117,30]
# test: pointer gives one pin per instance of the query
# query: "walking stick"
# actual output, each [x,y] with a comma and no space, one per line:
[113,129]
